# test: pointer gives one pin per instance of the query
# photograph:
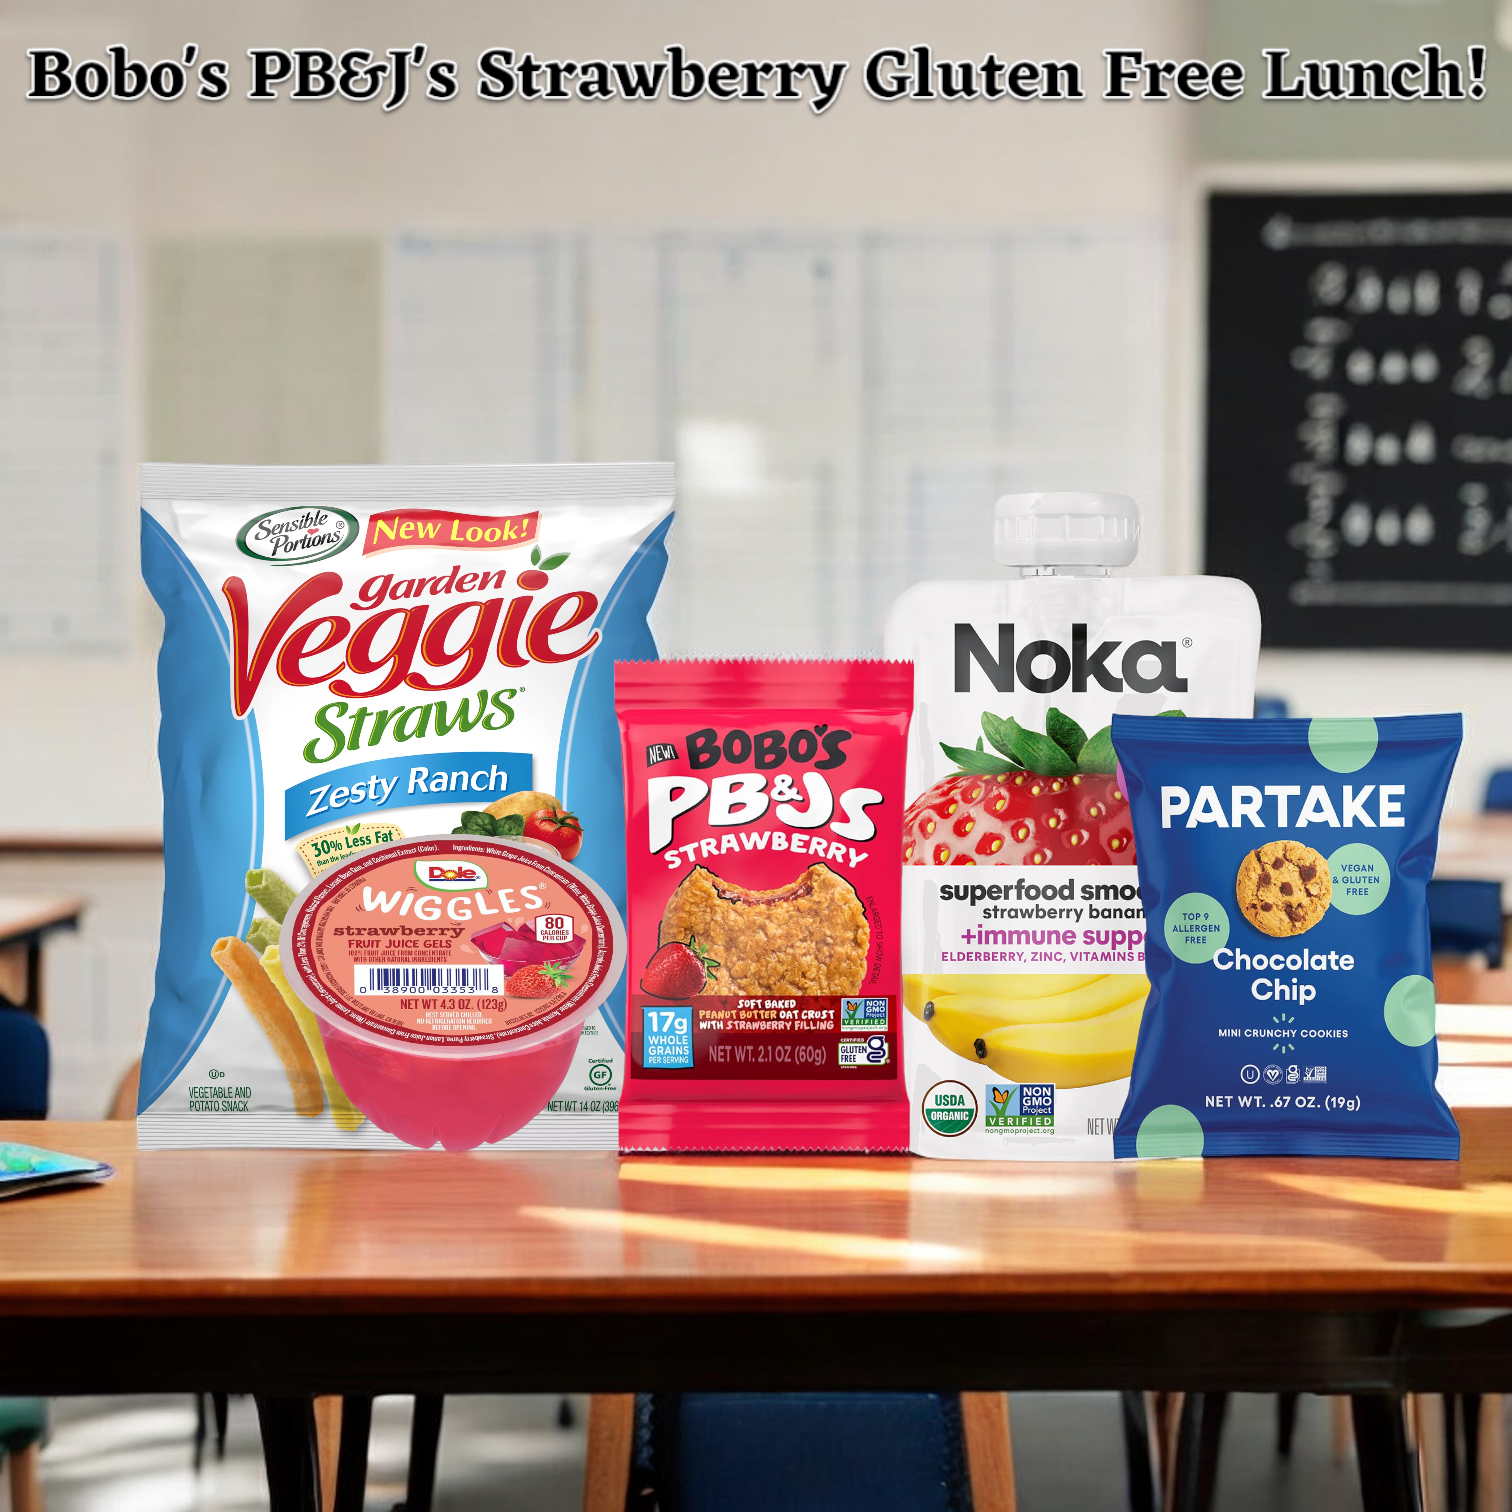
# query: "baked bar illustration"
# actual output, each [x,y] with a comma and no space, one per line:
[809,937]
[1284,888]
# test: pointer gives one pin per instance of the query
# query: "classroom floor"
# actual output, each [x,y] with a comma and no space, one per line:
[508,1454]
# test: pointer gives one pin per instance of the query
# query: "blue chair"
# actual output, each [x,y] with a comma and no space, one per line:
[820,1452]
[1499,790]
[23,1094]
[23,1065]
[1465,918]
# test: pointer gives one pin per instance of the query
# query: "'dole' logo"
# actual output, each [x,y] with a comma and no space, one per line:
[298,533]
[450,874]
[1046,666]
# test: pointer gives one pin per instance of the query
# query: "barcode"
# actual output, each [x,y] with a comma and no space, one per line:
[426,980]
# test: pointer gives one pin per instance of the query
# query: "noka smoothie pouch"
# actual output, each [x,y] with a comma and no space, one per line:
[1285,866]
[1023,924]
[398,680]
[763,802]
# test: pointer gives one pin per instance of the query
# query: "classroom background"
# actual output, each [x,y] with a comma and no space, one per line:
[851,332]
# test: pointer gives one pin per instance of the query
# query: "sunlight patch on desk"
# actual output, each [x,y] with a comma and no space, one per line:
[1490,1199]
[751,1236]
[906,1182]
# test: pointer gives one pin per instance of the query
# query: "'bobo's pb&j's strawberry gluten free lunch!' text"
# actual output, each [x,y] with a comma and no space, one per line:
[763,798]
[374,679]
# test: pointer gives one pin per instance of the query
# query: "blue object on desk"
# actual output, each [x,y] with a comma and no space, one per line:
[1270,708]
[803,1451]
[1499,790]
[1465,918]
[23,1065]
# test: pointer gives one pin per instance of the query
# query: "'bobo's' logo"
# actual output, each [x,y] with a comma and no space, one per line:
[298,533]
[450,874]
[949,1108]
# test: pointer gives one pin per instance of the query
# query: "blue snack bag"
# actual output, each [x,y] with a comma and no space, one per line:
[1284,866]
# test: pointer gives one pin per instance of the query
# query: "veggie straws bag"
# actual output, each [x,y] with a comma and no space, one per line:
[1284,866]
[356,658]
[764,799]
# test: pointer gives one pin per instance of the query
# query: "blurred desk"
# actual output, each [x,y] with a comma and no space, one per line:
[1476,846]
[289,1272]
[24,923]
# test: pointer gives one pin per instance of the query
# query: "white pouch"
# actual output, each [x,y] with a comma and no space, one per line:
[1025,980]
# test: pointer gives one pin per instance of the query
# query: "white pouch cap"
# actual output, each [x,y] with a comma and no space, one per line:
[1065,530]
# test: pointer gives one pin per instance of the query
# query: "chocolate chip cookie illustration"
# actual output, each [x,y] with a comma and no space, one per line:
[1284,888]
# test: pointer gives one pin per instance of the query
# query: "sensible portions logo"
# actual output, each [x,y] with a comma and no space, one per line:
[299,534]
[450,874]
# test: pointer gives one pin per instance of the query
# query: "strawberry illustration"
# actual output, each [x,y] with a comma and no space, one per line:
[1032,800]
[538,981]
[678,970]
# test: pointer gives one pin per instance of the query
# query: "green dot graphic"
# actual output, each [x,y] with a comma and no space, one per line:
[1196,928]
[1410,1010]
[1342,745]
[1361,878]
[1169,1132]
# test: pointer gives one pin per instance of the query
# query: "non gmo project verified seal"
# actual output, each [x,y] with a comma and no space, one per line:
[1030,1105]
[863,1013]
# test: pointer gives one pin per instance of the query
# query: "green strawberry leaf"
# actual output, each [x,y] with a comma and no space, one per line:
[476,822]
[1038,753]
[1065,732]
[980,763]
[1098,754]
[535,556]
[509,824]
[553,562]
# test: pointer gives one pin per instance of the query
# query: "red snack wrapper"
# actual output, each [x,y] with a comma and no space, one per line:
[763,799]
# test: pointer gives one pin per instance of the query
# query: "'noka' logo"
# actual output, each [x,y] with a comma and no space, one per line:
[1046,666]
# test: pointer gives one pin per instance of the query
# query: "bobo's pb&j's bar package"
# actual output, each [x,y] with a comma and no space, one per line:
[1023,924]
[1285,867]
[360,661]
[763,798]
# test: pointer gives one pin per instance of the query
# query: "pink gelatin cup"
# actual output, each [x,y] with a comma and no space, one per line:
[403,955]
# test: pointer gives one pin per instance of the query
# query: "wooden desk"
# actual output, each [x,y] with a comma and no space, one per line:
[289,1272]
[24,924]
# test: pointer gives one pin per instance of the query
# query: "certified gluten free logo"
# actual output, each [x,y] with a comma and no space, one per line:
[949,1108]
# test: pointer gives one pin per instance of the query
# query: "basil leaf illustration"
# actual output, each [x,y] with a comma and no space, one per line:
[510,824]
[477,822]
[1036,752]
[535,556]
[981,763]
[1098,754]
[1065,732]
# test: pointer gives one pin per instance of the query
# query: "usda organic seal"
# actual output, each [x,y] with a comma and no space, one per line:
[949,1108]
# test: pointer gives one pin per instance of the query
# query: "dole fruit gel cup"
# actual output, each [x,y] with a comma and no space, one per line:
[451,977]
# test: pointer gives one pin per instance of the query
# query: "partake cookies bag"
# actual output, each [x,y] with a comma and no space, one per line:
[763,799]
[1284,866]
[1023,924]
[389,690]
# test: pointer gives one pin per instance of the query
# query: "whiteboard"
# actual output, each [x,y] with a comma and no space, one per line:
[62,429]
[843,408]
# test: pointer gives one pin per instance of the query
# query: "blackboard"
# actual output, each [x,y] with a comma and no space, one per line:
[1359,415]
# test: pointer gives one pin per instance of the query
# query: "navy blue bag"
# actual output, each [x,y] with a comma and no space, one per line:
[1284,865]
